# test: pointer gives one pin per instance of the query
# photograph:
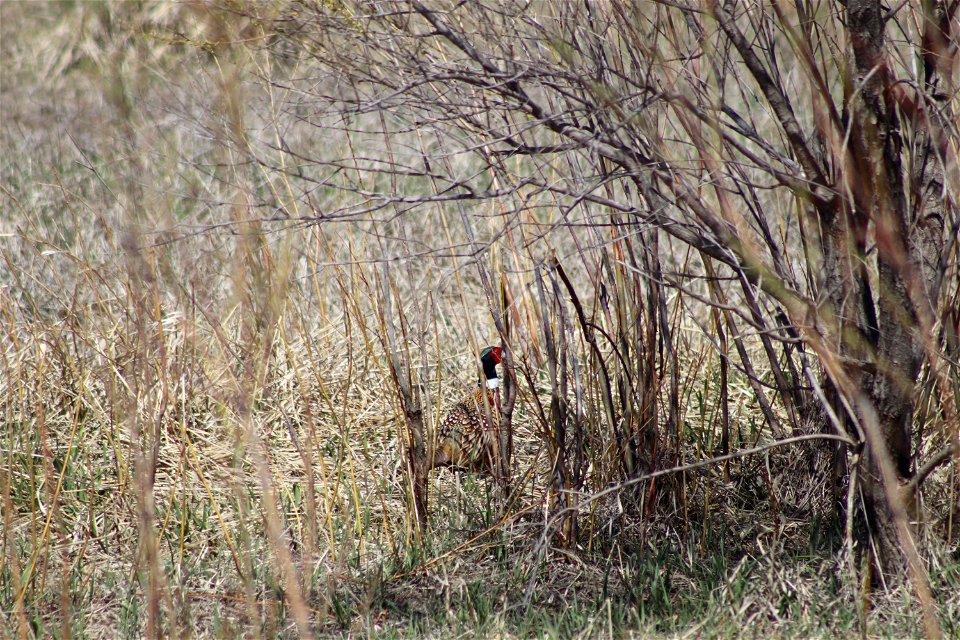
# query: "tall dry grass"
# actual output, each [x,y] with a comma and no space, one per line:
[202,434]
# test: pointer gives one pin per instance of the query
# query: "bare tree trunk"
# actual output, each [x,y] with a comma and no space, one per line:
[893,350]
[505,431]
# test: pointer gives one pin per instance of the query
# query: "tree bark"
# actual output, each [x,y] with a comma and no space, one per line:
[892,352]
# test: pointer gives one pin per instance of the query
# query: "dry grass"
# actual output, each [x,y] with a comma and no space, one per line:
[201,439]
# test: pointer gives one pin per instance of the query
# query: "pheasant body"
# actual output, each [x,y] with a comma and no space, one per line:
[468,437]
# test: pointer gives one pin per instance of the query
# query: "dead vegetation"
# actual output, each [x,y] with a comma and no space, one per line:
[244,243]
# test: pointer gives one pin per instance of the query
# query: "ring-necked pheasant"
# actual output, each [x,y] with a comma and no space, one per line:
[468,436]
